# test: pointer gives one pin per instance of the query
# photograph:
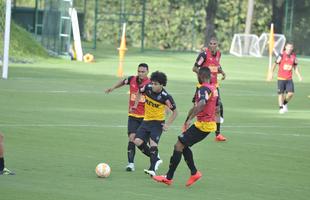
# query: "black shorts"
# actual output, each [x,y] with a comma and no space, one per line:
[192,135]
[133,124]
[150,129]
[285,86]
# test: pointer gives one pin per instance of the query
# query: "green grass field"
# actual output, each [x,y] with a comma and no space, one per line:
[59,124]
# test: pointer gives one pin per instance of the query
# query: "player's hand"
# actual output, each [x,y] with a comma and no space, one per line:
[185,126]
[132,109]
[165,127]
[107,91]
[223,76]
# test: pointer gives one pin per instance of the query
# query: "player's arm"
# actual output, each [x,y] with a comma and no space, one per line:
[171,105]
[199,61]
[118,85]
[296,69]
[221,71]
[270,73]
[138,96]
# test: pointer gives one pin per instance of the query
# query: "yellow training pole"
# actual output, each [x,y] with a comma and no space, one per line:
[121,52]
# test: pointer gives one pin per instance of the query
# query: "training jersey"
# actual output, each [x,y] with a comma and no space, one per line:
[134,84]
[212,61]
[155,103]
[286,64]
[206,118]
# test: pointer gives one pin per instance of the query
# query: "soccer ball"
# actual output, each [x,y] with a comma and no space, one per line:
[103,170]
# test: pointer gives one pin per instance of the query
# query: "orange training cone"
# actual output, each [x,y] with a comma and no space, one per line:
[121,52]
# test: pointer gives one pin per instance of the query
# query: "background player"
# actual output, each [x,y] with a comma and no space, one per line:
[3,170]
[135,117]
[287,61]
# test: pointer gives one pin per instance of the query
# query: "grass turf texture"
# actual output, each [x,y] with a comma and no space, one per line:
[59,124]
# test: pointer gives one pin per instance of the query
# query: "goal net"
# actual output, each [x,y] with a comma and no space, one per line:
[245,45]
[279,42]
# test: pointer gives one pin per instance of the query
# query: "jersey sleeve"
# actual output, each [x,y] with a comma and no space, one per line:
[200,59]
[126,81]
[170,102]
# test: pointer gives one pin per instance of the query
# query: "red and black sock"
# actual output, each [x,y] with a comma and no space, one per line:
[174,162]
[188,157]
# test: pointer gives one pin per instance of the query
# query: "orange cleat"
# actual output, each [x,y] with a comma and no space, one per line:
[220,138]
[162,179]
[193,178]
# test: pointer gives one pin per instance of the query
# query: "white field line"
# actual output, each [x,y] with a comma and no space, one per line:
[243,93]
[176,127]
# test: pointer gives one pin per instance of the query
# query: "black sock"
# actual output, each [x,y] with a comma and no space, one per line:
[153,157]
[188,157]
[1,164]
[131,152]
[174,162]
[221,110]
[218,129]
[145,149]
[285,102]
[280,107]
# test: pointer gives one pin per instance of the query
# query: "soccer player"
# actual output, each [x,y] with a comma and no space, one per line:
[204,110]
[287,61]
[210,58]
[157,100]
[3,170]
[135,117]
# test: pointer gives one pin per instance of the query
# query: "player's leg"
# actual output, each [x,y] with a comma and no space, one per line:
[290,93]
[1,153]
[156,131]
[133,125]
[219,109]
[281,96]
[142,133]
[3,170]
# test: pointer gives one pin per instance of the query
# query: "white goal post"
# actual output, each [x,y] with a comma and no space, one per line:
[245,45]
[252,45]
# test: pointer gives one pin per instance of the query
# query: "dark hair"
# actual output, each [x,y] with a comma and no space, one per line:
[204,72]
[159,77]
[213,39]
[143,65]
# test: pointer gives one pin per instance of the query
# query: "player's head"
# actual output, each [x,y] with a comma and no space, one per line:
[143,70]
[159,80]
[289,47]
[204,75]
[213,44]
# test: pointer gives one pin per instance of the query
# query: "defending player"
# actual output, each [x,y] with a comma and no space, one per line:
[135,117]
[156,101]
[210,58]
[3,170]
[204,109]
[287,61]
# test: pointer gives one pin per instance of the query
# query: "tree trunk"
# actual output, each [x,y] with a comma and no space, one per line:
[277,15]
[211,13]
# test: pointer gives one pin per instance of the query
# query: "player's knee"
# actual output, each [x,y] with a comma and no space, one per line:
[138,141]
[131,137]
[178,146]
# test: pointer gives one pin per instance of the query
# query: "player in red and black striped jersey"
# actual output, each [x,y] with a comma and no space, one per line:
[136,116]
[3,170]
[287,61]
[157,100]
[204,110]
[210,58]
